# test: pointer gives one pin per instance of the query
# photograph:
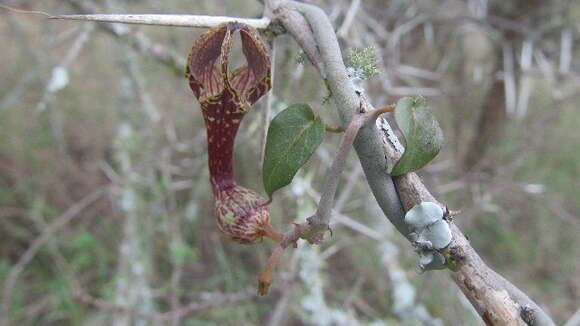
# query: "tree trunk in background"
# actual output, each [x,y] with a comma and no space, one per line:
[490,124]
[133,285]
[493,116]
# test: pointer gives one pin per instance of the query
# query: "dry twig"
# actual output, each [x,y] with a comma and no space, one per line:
[38,244]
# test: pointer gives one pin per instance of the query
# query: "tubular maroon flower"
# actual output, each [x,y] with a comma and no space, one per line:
[225,98]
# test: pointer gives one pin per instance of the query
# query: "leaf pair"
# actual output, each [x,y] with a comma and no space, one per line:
[296,132]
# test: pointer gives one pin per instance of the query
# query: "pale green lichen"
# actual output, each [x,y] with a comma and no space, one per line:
[430,234]
[363,62]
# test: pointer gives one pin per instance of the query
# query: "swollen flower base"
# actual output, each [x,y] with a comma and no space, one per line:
[225,98]
[242,216]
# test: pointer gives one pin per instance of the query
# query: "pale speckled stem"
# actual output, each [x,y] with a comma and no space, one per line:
[368,143]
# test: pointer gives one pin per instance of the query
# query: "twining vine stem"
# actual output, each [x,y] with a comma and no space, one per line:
[314,228]
[326,203]
[496,300]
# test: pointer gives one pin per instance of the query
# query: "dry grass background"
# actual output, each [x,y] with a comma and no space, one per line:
[147,251]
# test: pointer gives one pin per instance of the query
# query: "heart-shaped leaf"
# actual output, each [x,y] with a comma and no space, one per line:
[423,136]
[293,135]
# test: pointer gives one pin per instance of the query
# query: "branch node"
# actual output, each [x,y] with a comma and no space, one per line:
[449,214]
[454,257]
[276,28]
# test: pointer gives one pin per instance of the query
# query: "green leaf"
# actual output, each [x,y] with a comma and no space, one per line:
[423,136]
[293,136]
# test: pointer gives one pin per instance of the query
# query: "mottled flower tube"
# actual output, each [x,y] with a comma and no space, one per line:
[225,98]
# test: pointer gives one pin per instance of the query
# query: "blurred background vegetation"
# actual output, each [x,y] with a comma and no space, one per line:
[105,204]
